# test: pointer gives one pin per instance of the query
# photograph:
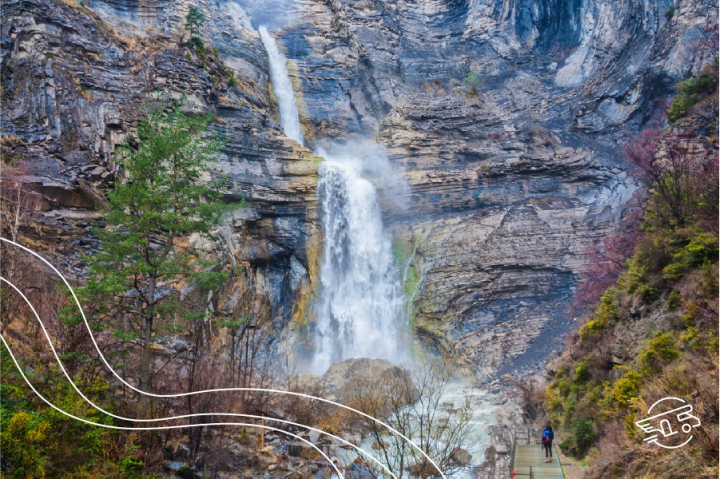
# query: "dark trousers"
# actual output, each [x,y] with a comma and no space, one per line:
[548,449]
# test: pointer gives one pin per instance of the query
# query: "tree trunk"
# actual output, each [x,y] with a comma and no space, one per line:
[233,331]
[145,362]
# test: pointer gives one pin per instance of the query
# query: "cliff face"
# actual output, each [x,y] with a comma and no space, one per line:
[74,84]
[506,116]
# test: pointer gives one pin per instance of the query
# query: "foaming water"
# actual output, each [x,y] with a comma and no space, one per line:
[289,118]
[360,311]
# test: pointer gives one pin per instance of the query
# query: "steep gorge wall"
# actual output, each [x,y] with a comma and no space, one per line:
[514,170]
[508,118]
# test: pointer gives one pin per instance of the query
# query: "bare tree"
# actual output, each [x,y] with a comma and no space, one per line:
[412,402]
[16,200]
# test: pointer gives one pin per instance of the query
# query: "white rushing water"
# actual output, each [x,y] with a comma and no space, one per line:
[360,311]
[289,118]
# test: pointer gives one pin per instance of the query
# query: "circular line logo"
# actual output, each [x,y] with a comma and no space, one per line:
[660,425]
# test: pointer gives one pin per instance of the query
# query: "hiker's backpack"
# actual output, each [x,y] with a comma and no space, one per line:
[546,437]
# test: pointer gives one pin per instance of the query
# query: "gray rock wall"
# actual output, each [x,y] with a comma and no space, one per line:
[508,118]
[506,115]
[74,85]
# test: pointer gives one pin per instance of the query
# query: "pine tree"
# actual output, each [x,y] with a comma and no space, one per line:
[144,260]
[193,21]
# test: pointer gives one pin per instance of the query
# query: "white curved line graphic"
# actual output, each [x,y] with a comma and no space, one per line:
[163,427]
[663,399]
[278,391]
[57,358]
[672,447]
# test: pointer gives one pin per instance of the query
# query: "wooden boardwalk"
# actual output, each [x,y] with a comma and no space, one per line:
[532,456]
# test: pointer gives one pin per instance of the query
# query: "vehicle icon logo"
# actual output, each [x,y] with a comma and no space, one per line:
[660,425]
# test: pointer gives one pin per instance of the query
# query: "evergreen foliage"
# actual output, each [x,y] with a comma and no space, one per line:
[145,259]
[194,20]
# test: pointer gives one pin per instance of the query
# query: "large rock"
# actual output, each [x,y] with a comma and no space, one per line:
[460,457]
[343,373]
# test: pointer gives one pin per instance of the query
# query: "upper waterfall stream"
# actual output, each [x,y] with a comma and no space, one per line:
[359,312]
[289,117]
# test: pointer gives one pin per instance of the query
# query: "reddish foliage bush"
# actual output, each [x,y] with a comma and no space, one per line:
[680,172]
[606,258]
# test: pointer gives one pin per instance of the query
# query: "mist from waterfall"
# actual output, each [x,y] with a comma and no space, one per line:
[289,117]
[360,309]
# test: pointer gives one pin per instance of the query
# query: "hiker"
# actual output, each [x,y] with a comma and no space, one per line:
[547,439]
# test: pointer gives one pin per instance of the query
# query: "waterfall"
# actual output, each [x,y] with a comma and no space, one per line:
[359,313]
[360,309]
[289,118]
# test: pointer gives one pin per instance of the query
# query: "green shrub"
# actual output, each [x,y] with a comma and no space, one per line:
[584,436]
[581,440]
[670,12]
[657,351]
[592,329]
[230,73]
[471,79]
[563,387]
[40,442]
[701,249]
[554,402]
[582,373]
[199,44]
[695,339]
[25,441]
[636,276]
[569,412]
[567,445]
[714,341]
[673,301]
[622,394]
[674,271]
[604,315]
[693,91]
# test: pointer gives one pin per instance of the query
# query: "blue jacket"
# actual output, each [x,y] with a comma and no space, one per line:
[548,433]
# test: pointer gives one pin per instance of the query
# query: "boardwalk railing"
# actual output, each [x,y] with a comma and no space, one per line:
[514,452]
[514,449]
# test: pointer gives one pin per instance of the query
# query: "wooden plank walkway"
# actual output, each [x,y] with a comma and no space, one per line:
[532,455]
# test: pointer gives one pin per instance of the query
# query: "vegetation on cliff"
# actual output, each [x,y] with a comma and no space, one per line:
[654,330]
[41,442]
